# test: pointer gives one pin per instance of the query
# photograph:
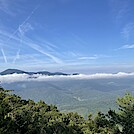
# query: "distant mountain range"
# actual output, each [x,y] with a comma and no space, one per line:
[12,71]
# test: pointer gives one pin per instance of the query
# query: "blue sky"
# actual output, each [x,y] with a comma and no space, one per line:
[67,35]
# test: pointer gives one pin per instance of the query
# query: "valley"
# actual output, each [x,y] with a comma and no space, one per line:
[82,96]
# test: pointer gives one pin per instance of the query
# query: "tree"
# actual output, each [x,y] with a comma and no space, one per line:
[26,116]
[124,118]
[20,116]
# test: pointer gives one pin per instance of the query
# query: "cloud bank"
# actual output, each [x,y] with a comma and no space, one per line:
[38,77]
[127,47]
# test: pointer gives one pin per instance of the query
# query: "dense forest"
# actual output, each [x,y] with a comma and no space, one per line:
[19,116]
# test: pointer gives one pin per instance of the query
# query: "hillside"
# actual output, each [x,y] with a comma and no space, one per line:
[19,116]
[17,71]
[12,71]
[80,96]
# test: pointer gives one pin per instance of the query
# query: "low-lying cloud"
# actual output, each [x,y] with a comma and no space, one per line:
[38,77]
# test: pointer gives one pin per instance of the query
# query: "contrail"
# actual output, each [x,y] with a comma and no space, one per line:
[33,11]
[29,15]
[4,56]
[39,49]
[79,39]
[17,56]
[18,52]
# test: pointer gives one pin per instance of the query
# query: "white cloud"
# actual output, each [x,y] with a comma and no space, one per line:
[79,39]
[25,28]
[24,77]
[12,41]
[4,56]
[5,7]
[40,49]
[127,47]
[128,31]
[120,9]
[89,57]
[48,43]
[17,56]
[13,78]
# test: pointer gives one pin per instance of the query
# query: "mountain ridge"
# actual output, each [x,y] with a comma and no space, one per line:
[17,71]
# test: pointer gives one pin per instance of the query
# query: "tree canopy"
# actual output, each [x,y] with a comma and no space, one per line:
[19,116]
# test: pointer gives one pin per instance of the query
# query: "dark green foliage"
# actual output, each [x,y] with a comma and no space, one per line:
[18,116]
[124,118]
[27,117]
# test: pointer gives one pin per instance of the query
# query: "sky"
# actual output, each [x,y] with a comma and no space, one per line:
[84,36]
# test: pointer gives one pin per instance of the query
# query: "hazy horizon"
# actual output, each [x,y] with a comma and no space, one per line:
[86,70]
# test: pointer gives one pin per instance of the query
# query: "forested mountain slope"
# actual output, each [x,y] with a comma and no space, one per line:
[18,116]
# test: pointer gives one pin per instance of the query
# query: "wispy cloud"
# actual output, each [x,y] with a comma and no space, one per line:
[127,31]
[20,41]
[4,35]
[44,48]
[24,26]
[17,56]
[49,43]
[30,15]
[13,41]
[79,39]
[5,7]
[40,49]
[120,9]
[4,56]
[127,47]
[22,30]
[89,57]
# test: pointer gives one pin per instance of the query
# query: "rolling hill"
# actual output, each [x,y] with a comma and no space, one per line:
[82,96]
[17,71]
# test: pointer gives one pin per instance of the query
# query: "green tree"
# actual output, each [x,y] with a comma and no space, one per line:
[18,116]
[124,118]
